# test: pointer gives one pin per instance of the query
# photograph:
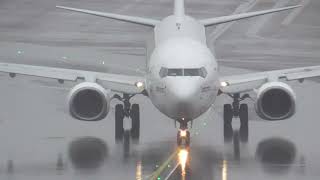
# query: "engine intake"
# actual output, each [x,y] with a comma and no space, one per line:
[276,101]
[88,102]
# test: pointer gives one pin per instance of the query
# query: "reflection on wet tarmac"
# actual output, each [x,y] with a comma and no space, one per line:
[10,166]
[224,170]
[202,163]
[154,154]
[60,164]
[88,152]
[242,134]
[236,145]
[183,157]
[139,171]
[276,155]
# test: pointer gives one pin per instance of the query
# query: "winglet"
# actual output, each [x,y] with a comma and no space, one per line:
[131,19]
[235,17]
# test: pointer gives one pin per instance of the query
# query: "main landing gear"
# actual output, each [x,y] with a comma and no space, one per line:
[236,110]
[129,111]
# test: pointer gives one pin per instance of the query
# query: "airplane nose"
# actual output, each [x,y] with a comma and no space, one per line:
[184,91]
[183,99]
[184,94]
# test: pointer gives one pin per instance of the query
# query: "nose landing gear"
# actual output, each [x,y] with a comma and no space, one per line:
[183,136]
[236,110]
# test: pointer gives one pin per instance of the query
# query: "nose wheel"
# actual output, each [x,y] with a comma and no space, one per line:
[236,110]
[183,139]
[183,135]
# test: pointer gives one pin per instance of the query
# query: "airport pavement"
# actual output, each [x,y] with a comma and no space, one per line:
[41,141]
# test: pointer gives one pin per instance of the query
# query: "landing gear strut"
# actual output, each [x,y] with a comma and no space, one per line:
[183,136]
[129,111]
[236,110]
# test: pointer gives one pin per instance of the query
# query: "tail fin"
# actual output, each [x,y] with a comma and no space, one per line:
[131,19]
[179,8]
[225,19]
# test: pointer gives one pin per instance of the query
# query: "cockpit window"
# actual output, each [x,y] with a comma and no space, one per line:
[191,72]
[175,72]
[203,72]
[164,72]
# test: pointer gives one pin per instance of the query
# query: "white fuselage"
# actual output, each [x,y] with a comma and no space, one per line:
[182,79]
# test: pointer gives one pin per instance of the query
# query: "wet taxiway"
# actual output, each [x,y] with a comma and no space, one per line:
[39,140]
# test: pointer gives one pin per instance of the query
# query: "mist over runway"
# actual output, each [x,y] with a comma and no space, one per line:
[41,141]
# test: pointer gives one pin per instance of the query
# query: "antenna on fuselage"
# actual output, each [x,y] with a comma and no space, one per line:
[179,12]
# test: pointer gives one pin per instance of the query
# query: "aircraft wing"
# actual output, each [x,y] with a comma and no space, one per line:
[251,81]
[131,19]
[236,17]
[114,82]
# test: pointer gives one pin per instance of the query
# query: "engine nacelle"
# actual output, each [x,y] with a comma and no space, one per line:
[89,102]
[276,101]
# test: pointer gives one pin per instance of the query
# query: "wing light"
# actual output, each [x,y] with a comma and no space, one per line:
[224,83]
[139,85]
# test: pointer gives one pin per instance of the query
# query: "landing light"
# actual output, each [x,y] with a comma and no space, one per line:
[139,85]
[224,83]
[183,133]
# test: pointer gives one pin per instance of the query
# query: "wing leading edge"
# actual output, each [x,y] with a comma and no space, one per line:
[236,17]
[114,82]
[131,19]
[248,82]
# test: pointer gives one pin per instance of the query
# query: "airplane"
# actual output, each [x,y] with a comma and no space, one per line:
[182,78]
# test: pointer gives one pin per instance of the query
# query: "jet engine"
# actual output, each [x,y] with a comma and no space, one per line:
[276,101]
[89,102]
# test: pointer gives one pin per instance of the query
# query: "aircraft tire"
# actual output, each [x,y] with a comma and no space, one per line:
[119,116]
[227,133]
[227,118]
[135,117]
[227,114]
[126,143]
[243,114]
[244,127]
